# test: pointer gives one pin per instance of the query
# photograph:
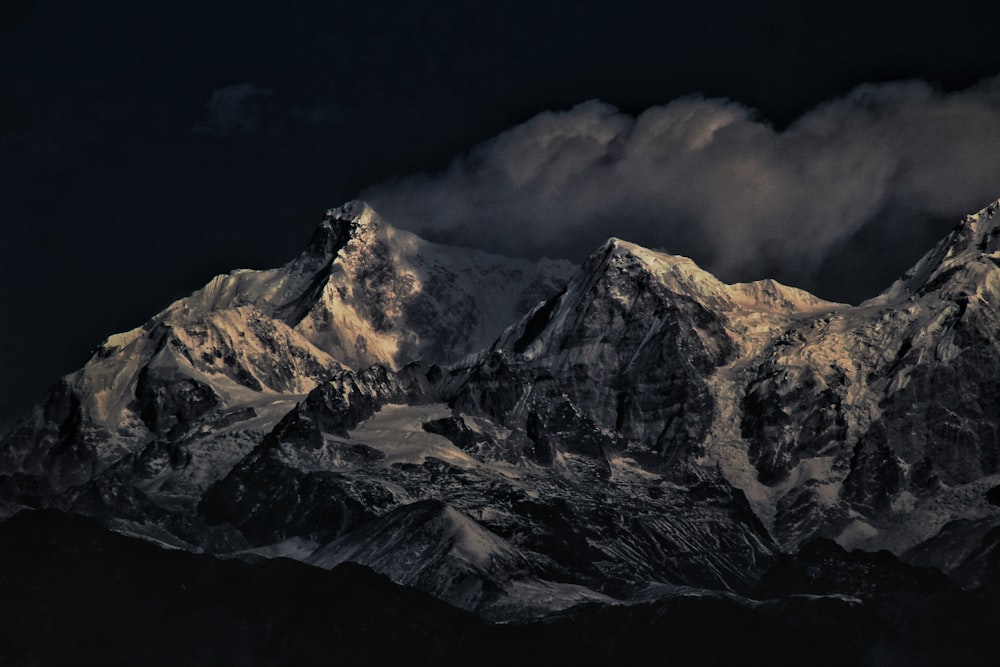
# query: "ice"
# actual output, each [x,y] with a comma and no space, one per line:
[397,431]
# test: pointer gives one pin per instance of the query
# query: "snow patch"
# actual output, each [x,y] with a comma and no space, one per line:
[397,430]
[856,531]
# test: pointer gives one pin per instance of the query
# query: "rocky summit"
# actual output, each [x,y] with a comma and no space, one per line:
[530,439]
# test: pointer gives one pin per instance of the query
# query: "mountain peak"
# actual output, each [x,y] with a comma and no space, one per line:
[972,246]
[981,230]
[988,212]
[356,212]
[378,294]
[653,261]
[339,225]
[976,233]
[682,275]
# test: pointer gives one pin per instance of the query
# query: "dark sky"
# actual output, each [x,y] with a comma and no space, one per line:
[146,146]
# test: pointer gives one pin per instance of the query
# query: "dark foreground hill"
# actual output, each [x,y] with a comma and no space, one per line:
[73,593]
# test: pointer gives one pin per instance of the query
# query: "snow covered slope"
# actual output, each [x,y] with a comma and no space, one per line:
[634,344]
[877,424]
[880,424]
[516,437]
[392,298]
[251,343]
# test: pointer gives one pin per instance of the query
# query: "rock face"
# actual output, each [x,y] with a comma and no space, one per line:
[256,342]
[895,400]
[632,345]
[517,438]
[434,547]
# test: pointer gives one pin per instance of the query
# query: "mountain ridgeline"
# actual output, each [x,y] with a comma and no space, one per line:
[519,438]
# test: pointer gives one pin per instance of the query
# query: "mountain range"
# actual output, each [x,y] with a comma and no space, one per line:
[556,446]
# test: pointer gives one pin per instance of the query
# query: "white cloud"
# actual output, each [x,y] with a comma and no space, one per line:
[707,178]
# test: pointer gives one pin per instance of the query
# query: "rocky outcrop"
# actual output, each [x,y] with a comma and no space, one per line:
[635,426]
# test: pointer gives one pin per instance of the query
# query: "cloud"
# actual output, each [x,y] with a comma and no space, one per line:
[709,179]
[235,108]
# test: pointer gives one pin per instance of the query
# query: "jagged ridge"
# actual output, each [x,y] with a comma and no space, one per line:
[635,424]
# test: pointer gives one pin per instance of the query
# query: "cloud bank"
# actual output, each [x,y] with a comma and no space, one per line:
[235,108]
[862,175]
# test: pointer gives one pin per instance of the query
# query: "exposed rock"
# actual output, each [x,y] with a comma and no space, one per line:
[635,426]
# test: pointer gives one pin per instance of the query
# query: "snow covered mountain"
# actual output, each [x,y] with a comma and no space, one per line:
[880,423]
[875,425]
[247,346]
[520,437]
